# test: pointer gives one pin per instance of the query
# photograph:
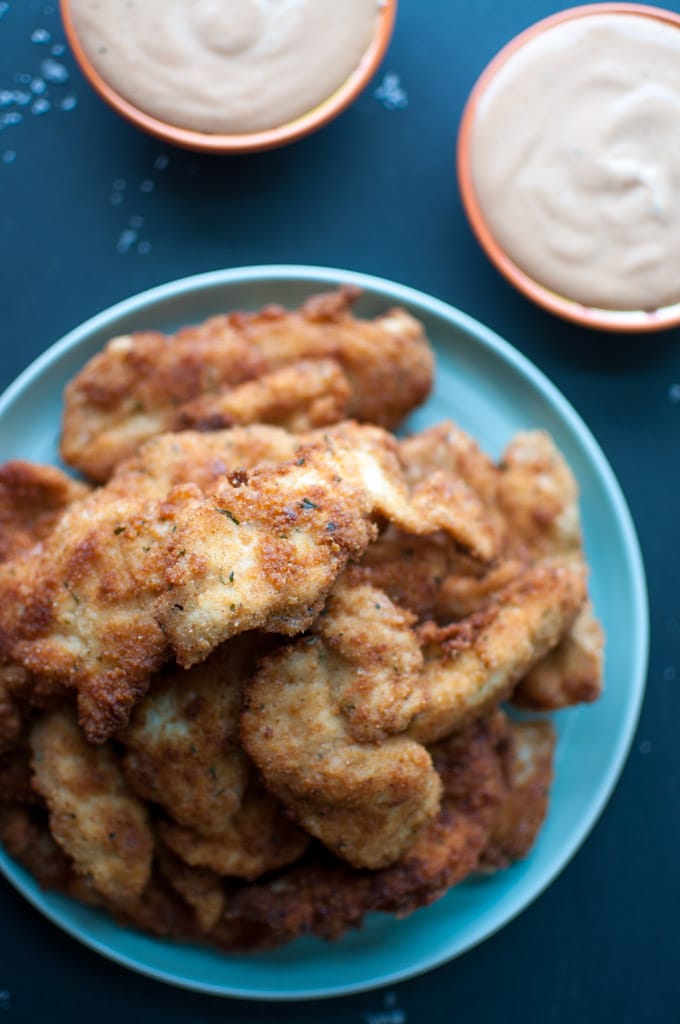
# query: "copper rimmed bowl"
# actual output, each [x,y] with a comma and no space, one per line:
[249,142]
[562,305]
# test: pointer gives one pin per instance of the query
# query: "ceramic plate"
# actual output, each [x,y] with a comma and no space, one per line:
[491,391]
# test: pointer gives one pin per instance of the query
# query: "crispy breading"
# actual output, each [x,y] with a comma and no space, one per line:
[256,839]
[192,457]
[538,496]
[366,801]
[373,659]
[264,550]
[93,815]
[409,569]
[473,665]
[324,897]
[517,821]
[463,593]
[138,385]
[182,743]
[571,674]
[447,448]
[120,582]
[25,834]
[202,889]
[31,499]
[301,396]
[80,608]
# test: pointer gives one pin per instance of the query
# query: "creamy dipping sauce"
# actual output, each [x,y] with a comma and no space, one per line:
[575,160]
[225,66]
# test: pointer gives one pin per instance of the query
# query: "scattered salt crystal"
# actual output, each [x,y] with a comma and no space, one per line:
[53,71]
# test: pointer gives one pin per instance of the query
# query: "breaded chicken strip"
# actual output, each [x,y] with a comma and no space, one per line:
[301,396]
[94,817]
[571,674]
[256,839]
[539,498]
[373,659]
[517,821]
[122,582]
[80,608]
[315,714]
[325,897]
[32,497]
[473,665]
[25,835]
[138,385]
[182,744]
[447,448]
[264,549]
[201,889]
[193,457]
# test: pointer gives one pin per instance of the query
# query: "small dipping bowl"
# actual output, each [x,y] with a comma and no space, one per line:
[250,142]
[588,316]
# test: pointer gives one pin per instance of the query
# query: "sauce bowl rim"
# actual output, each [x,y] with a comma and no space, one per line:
[628,321]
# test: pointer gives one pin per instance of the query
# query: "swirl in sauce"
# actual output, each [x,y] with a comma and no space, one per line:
[225,66]
[575,160]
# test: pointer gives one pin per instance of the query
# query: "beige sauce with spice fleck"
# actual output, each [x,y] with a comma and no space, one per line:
[225,66]
[575,159]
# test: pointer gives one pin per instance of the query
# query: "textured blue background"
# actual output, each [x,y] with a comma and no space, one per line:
[93,211]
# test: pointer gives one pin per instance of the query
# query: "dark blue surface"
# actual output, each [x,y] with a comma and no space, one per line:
[375,191]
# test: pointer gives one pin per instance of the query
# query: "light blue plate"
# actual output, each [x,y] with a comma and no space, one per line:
[492,391]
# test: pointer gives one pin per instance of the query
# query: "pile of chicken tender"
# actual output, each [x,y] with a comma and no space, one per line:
[257,651]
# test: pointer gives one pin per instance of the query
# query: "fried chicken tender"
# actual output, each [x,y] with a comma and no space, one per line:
[256,839]
[517,821]
[314,720]
[139,384]
[31,499]
[93,816]
[473,665]
[539,498]
[449,449]
[286,532]
[120,583]
[324,897]
[301,396]
[182,744]
[80,608]
[373,659]
[25,835]
[571,674]
[192,457]
[201,889]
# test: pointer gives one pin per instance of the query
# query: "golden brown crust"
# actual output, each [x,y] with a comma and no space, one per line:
[366,801]
[472,666]
[256,839]
[138,385]
[571,674]
[182,748]
[325,898]
[517,821]
[298,397]
[97,821]
[31,499]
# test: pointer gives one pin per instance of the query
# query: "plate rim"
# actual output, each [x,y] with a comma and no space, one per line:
[493,342]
